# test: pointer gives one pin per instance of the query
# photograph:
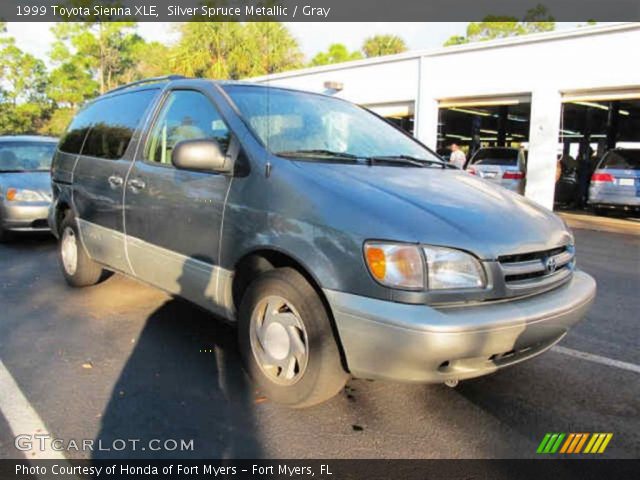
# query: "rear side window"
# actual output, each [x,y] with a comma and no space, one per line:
[110,124]
[73,139]
[114,123]
[622,160]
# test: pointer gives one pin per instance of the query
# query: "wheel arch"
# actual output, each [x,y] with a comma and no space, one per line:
[263,259]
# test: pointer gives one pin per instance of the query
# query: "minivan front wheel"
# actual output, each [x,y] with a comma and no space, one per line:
[78,269]
[286,340]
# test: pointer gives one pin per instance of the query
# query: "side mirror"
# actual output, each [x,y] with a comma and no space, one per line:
[202,155]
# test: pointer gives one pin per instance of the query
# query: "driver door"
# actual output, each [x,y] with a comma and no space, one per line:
[173,217]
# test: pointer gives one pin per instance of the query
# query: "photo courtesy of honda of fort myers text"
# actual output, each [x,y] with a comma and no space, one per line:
[319,239]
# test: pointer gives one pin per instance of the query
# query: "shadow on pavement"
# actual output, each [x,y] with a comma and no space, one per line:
[182,382]
[27,240]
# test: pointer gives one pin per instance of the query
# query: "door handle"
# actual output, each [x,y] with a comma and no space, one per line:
[115,181]
[137,184]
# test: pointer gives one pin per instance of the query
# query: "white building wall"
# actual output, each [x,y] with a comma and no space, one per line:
[543,66]
[364,83]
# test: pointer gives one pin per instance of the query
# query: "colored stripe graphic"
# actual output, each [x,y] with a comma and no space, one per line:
[543,443]
[605,443]
[573,443]
[555,447]
[567,443]
[581,443]
[551,443]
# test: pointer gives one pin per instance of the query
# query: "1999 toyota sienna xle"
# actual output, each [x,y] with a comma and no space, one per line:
[340,245]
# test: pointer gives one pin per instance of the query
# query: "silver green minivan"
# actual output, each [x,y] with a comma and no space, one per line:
[337,244]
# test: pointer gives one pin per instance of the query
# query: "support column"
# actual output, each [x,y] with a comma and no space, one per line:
[546,111]
[426,112]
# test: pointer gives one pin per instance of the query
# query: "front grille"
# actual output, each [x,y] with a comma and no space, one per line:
[527,272]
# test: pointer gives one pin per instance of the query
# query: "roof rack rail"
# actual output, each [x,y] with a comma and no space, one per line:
[147,80]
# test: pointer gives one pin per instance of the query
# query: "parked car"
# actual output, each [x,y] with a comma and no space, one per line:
[25,183]
[615,183]
[337,243]
[504,166]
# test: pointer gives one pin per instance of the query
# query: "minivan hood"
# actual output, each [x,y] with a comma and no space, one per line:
[442,207]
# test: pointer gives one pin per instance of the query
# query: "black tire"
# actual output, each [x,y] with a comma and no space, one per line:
[87,272]
[323,377]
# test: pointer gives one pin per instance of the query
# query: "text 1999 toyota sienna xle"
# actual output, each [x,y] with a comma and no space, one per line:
[339,244]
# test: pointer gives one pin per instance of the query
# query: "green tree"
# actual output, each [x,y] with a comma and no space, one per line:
[336,53]
[380,45]
[273,47]
[536,20]
[234,50]
[151,59]
[205,49]
[23,103]
[95,54]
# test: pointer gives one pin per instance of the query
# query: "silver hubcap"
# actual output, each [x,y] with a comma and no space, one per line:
[279,340]
[69,250]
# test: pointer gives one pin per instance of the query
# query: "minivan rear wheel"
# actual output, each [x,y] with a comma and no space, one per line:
[78,269]
[287,342]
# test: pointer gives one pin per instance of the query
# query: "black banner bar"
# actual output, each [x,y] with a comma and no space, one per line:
[315,10]
[542,469]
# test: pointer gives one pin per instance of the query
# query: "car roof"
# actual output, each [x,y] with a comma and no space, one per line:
[161,83]
[27,138]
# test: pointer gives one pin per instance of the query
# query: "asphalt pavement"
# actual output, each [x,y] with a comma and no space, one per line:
[122,360]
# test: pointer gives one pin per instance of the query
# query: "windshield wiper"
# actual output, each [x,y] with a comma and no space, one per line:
[407,159]
[318,152]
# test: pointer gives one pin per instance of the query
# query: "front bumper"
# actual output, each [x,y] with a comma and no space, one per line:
[419,343]
[22,216]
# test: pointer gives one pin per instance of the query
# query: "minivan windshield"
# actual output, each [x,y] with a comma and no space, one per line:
[622,160]
[297,124]
[26,156]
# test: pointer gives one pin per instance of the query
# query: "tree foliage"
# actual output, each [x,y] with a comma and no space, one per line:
[536,20]
[380,45]
[336,53]
[90,57]
[234,50]
[24,106]
[99,55]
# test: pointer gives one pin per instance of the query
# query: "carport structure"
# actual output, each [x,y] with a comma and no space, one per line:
[545,79]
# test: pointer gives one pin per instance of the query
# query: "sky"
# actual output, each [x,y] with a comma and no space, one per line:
[36,38]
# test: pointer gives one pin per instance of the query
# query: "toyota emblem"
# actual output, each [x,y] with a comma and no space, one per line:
[550,265]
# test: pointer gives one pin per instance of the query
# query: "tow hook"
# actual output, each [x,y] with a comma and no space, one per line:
[453,383]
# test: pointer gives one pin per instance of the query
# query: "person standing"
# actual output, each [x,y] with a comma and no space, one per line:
[458,158]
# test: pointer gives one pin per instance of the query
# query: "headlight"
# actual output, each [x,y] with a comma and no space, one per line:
[413,267]
[21,195]
[395,265]
[452,269]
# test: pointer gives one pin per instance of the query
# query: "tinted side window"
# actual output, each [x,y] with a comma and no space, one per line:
[73,139]
[113,123]
[186,115]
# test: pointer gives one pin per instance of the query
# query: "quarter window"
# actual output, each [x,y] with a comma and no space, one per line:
[186,115]
[115,123]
